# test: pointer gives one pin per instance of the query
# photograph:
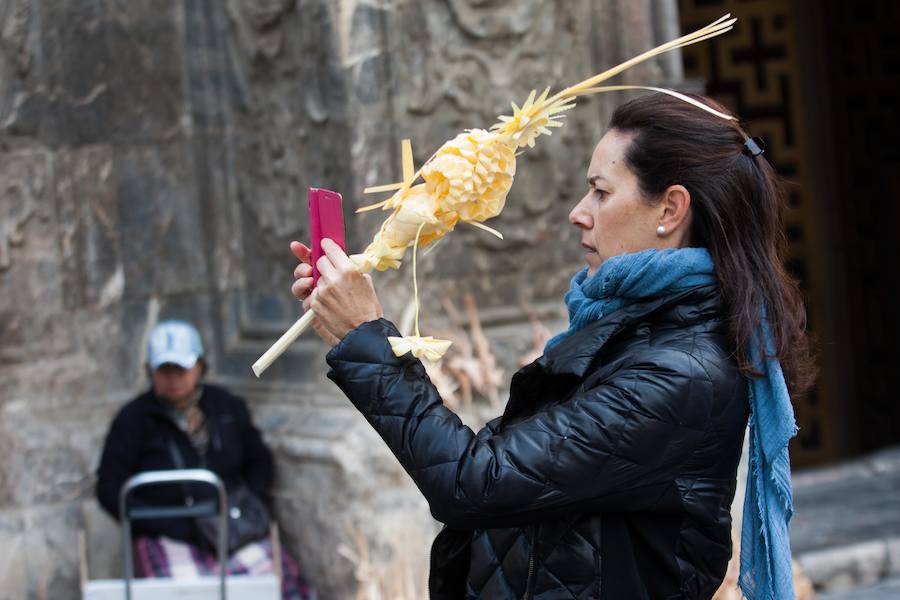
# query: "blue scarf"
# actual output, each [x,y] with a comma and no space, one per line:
[766,570]
[768,504]
[628,278]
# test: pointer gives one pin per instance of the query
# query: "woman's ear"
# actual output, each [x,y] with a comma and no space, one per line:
[675,218]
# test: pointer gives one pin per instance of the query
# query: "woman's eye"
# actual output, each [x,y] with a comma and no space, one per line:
[599,193]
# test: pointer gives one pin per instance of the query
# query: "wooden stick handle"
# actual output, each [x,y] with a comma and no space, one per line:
[278,348]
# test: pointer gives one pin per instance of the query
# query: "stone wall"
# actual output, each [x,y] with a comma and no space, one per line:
[154,157]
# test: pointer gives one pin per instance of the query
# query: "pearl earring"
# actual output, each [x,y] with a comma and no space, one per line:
[661,231]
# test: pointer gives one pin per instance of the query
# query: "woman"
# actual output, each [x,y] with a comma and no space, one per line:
[611,471]
[181,422]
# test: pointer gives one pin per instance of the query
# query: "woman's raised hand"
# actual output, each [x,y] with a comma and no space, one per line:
[302,288]
[343,299]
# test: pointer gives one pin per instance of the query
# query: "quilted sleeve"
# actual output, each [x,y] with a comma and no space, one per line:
[617,446]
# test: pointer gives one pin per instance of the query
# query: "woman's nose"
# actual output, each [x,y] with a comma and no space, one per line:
[580,217]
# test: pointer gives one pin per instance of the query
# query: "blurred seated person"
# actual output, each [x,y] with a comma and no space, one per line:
[182,422]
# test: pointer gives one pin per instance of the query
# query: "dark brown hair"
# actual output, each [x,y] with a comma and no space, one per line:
[737,205]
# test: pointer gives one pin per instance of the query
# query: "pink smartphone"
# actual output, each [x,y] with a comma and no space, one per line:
[326,220]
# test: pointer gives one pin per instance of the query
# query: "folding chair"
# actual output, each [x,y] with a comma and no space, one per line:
[255,587]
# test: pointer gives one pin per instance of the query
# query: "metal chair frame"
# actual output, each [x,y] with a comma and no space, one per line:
[177,476]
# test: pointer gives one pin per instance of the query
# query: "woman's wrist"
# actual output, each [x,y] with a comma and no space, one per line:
[365,317]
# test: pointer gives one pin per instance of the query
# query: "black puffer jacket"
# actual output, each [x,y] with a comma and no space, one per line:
[609,475]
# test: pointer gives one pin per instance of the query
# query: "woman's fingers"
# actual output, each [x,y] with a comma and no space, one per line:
[328,337]
[335,263]
[319,327]
[301,251]
[302,287]
[327,270]
[337,256]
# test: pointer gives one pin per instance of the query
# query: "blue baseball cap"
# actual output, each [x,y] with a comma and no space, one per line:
[176,342]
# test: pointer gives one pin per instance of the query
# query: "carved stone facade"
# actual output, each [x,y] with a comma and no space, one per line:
[154,160]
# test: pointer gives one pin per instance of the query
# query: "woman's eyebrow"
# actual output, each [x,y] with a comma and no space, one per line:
[593,179]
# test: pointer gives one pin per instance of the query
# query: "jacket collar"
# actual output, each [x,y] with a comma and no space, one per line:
[574,354]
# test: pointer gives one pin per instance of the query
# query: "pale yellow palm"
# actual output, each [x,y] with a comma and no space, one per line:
[467,180]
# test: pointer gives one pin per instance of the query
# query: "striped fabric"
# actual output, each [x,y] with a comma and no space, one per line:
[165,557]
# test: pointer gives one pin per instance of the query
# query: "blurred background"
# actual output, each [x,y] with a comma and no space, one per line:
[154,161]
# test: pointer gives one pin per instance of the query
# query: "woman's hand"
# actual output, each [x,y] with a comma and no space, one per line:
[302,288]
[303,273]
[343,298]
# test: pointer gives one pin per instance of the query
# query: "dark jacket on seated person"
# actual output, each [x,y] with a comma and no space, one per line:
[141,437]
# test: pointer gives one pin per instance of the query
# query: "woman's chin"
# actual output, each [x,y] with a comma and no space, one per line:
[593,262]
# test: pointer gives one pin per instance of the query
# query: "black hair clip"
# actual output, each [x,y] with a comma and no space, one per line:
[754,146]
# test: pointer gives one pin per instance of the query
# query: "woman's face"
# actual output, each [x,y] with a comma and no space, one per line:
[613,216]
[175,384]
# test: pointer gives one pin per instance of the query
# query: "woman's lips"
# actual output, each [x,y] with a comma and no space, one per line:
[591,255]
